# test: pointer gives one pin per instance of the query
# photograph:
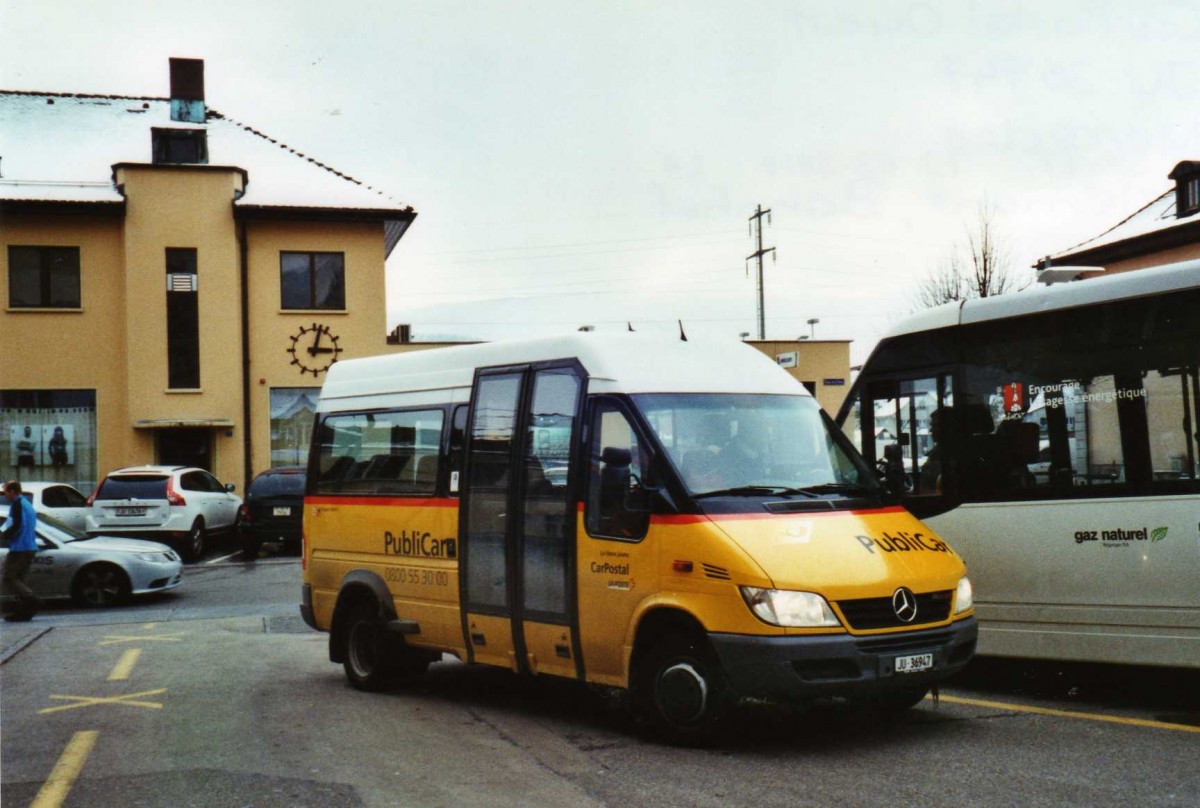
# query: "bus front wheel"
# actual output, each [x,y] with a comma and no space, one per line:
[680,692]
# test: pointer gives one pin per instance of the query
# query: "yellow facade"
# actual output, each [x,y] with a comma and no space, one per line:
[115,342]
[99,366]
[821,365]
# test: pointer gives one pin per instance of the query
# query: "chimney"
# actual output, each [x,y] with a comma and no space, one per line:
[187,90]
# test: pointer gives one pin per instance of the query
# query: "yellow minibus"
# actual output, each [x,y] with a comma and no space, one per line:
[675,518]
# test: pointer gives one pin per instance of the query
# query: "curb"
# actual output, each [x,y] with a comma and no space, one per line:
[10,650]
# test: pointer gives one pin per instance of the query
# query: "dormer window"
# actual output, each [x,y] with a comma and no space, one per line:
[1187,188]
[179,145]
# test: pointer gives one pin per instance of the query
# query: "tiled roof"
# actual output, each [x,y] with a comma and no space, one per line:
[60,147]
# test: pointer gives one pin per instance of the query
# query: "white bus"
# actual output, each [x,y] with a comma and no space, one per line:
[1053,438]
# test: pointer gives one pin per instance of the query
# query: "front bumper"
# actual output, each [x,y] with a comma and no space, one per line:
[803,668]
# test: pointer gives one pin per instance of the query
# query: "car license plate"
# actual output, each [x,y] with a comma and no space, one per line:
[282,512]
[914,664]
[131,511]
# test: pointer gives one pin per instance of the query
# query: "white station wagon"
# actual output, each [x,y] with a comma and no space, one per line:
[179,505]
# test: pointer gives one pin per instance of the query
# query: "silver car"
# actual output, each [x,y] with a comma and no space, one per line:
[96,571]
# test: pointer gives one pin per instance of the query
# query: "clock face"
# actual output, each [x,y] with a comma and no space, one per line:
[314,348]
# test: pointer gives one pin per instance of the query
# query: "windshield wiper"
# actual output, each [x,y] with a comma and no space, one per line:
[840,488]
[754,491]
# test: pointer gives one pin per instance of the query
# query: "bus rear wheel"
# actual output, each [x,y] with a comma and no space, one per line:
[367,660]
[680,693]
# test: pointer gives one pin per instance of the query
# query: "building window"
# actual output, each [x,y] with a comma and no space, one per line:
[293,410]
[43,277]
[1192,195]
[179,145]
[183,320]
[49,436]
[312,280]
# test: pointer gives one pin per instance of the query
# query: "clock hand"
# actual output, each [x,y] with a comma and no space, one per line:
[315,348]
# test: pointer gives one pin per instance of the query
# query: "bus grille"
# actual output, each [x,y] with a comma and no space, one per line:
[872,613]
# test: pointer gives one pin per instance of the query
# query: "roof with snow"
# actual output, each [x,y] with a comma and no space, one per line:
[61,147]
[1151,226]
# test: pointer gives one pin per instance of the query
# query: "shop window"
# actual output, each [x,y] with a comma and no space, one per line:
[312,280]
[43,277]
[49,436]
[293,410]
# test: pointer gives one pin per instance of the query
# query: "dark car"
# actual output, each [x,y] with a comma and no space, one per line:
[272,511]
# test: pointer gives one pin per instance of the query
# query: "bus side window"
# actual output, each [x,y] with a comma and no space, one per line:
[616,467]
[458,448]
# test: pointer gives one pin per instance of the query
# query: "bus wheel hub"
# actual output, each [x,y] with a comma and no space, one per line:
[682,693]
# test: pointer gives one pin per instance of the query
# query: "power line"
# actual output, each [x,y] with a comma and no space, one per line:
[757,219]
[578,244]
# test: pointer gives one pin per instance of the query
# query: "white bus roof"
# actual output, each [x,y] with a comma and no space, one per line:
[1131,284]
[615,363]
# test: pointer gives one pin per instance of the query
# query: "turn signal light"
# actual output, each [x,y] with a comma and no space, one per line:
[682,566]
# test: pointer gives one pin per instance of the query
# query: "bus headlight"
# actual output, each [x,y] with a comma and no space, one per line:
[964,597]
[783,608]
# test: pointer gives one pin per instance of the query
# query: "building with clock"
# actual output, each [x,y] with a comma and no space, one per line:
[176,283]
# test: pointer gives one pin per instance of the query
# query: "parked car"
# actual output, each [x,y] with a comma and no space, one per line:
[272,512]
[64,502]
[180,505]
[99,570]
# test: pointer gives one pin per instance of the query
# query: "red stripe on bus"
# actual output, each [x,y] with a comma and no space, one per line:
[658,519]
[393,502]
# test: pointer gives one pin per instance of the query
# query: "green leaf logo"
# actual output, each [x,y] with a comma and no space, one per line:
[1158,534]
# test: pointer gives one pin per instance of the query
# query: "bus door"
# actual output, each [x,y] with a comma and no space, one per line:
[518,520]
[904,426]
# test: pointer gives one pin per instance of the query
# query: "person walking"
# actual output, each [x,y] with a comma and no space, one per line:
[19,536]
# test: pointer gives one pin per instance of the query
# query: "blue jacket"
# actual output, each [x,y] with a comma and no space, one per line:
[18,528]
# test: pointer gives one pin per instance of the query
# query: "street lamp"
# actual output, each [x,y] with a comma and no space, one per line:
[812,325]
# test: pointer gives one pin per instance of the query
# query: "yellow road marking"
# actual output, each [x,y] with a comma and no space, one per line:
[125,665]
[1112,719]
[54,791]
[114,639]
[88,701]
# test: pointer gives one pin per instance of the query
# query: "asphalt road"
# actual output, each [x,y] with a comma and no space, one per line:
[218,695]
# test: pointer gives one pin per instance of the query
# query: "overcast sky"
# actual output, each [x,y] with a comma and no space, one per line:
[597,162]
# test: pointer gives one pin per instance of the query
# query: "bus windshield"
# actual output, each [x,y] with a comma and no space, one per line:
[753,444]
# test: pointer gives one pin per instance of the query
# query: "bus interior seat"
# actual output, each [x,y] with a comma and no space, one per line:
[1017,446]
[425,472]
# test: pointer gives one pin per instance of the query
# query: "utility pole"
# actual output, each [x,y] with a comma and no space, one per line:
[759,253]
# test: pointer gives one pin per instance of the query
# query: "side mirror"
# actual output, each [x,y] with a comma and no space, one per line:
[229,488]
[637,496]
[893,475]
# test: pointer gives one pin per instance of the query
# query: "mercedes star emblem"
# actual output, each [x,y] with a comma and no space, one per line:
[904,604]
